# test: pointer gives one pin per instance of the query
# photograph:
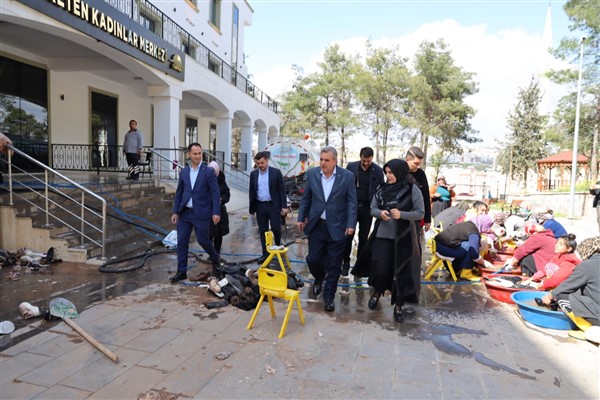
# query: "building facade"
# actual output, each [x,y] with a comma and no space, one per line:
[74,72]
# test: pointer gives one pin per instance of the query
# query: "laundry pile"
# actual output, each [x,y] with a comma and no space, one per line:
[238,285]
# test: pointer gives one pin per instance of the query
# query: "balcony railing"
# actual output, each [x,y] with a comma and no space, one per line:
[150,17]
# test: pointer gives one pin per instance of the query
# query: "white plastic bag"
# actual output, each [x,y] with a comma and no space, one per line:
[170,241]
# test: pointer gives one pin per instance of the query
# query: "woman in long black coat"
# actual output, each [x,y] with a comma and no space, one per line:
[392,258]
[216,232]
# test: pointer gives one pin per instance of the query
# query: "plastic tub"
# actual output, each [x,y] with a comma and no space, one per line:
[501,293]
[540,316]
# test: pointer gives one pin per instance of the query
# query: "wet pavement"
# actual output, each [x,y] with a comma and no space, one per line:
[459,344]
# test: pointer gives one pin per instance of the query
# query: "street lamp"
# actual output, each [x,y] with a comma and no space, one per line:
[576,134]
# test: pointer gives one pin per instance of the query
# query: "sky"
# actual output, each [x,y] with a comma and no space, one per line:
[501,42]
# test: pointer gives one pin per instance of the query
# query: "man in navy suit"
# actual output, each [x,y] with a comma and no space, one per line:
[367,177]
[327,215]
[267,200]
[196,203]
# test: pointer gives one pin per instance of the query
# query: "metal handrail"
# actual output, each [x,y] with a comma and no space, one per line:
[47,187]
[235,177]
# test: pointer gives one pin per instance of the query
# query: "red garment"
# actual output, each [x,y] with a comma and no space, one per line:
[557,270]
[540,245]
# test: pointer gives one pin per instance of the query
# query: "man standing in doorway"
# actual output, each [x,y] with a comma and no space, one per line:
[196,203]
[367,177]
[132,147]
[327,214]
[267,200]
[414,158]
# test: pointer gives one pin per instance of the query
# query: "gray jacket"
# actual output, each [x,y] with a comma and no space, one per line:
[583,288]
[133,142]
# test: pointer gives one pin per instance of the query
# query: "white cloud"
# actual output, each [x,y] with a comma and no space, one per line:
[502,62]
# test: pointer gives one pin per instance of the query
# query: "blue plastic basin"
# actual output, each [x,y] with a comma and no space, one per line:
[540,316]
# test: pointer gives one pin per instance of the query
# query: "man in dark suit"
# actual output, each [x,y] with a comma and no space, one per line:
[196,203]
[367,177]
[327,215]
[414,158]
[267,200]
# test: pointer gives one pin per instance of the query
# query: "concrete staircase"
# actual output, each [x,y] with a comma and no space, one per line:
[143,202]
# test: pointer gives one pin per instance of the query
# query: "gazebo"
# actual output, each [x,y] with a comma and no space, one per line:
[554,172]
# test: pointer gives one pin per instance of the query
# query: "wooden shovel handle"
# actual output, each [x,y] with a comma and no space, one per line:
[90,339]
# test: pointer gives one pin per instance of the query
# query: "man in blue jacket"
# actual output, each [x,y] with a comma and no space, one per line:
[327,214]
[367,177]
[196,203]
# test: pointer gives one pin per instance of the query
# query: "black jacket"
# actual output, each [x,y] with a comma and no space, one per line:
[376,176]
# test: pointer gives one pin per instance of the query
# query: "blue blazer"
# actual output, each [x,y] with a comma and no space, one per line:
[340,206]
[276,189]
[205,196]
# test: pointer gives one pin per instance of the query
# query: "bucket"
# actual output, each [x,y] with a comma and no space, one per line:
[540,316]
[501,293]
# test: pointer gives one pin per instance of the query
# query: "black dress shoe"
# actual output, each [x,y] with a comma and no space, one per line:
[398,317]
[317,287]
[179,276]
[374,300]
[329,306]
[345,269]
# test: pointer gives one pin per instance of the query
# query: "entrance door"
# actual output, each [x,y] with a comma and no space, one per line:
[105,149]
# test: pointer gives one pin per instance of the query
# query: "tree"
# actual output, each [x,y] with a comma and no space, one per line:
[526,144]
[437,109]
[383,86]
[585,18]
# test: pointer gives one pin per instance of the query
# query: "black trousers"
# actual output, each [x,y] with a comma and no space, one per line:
[133,161]
[267,214]
[324,259]
[364,220]
[528,266]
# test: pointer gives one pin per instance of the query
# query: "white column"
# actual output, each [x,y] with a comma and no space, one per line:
[166,122]
[246,144]
[262,139]
[224,128]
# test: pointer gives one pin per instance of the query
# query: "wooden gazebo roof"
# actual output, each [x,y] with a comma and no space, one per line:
[563,158]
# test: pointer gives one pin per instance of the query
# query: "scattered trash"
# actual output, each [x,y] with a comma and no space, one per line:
[6,327]
[28,311]
[161,394]
[223,355]
[13,276]
[320,334]
[270,370]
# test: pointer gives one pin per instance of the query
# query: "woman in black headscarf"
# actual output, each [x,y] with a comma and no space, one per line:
[392,259]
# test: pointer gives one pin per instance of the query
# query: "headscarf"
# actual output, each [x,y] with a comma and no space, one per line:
[213,164]
[388,191]
[484,223]
[589,247]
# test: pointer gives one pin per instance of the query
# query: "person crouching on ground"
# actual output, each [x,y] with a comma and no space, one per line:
[559,268]
[393,261]
[578,296]
[536,251]
[462,242]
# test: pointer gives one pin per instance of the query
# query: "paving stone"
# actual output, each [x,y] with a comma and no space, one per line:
[59,345]
[460,381]
[177,351]
[183,320]
[30,343]
[55,371]
[131,384]
[124,333]
[153,339]
[103,371]
[59,392]
[20,390]
[13,367]
[324,369]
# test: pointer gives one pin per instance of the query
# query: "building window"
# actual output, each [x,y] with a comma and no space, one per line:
[215,13]
[24,109]
[234,38]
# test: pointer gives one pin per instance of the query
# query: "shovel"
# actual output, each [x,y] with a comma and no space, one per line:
[64,309]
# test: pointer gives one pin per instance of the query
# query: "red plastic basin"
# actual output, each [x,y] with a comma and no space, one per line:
[501,293]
